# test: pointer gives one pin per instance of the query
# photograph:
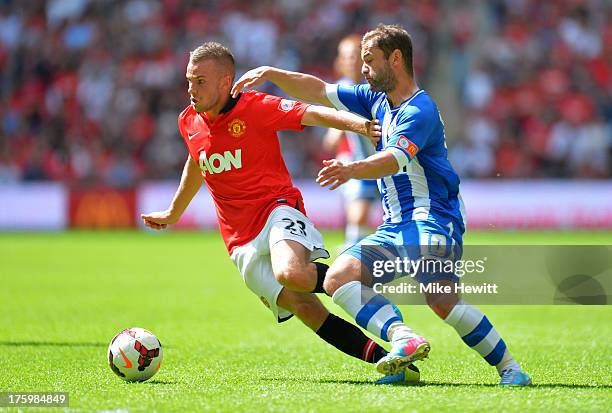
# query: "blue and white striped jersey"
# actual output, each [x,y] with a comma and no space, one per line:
[360,146]
[426,187]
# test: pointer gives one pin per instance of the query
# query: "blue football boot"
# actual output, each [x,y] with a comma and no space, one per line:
[512,377]
[411,375]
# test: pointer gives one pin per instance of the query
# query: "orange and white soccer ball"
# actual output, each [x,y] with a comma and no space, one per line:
[135,354]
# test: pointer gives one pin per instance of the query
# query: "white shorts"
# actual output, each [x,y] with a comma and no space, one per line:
[254,261]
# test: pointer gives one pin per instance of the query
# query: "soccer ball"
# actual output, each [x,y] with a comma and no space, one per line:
[135,354]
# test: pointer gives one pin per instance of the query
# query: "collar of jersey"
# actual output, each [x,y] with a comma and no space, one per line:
[405,101]
[229,105]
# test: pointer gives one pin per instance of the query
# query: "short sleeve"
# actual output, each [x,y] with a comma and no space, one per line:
[281,114]
[358,99]
[410,135]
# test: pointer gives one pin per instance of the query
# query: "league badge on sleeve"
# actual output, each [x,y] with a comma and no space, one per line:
[286,105]
[408,145]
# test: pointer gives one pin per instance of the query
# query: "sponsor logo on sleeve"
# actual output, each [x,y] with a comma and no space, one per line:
[286,105]
[408,145]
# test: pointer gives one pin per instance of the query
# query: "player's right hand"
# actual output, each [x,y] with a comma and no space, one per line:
[250,79]
[159,220]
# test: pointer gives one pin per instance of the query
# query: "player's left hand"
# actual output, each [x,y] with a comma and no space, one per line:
[374,131]
[250,79]
[333,174]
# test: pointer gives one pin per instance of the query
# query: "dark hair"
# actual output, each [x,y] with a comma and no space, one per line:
[216,51]
[390,37]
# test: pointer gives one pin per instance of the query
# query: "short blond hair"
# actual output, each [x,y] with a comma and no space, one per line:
[215,51]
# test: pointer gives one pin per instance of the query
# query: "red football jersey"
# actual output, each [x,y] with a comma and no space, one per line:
[240,158]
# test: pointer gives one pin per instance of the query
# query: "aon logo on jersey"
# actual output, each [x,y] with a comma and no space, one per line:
[217,162]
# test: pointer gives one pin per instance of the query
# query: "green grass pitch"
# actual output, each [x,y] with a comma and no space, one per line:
[63,296]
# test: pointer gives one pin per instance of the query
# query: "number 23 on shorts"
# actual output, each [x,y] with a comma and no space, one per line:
[295,227]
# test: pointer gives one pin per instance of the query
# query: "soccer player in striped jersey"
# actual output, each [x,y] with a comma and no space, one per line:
[359,194]
[420,194]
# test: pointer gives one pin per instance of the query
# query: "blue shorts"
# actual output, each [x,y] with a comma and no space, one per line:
[409,243]
[355,189]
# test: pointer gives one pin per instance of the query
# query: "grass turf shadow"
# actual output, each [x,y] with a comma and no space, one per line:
[441,384]
[53,344]
[49,344]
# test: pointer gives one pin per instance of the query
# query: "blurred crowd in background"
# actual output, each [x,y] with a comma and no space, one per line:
[90,90]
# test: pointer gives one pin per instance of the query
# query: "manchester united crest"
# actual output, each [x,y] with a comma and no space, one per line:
[236,127]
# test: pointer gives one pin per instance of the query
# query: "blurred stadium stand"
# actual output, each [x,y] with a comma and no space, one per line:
[90,89]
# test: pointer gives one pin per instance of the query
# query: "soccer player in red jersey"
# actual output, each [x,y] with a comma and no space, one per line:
[233,145]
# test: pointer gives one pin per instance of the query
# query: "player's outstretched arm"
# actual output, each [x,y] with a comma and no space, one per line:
[301,86]
[191,181]
[335,172]
[338,119]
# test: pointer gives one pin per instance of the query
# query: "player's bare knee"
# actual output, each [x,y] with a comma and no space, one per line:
[285,277]
[294,278]
[342,271]
[333,281]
